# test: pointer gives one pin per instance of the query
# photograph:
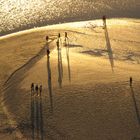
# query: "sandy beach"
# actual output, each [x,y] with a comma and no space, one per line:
[86,92]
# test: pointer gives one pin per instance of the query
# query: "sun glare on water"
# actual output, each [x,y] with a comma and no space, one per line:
[24,14]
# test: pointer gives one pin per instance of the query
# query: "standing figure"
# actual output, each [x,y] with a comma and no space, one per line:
[40,90]
[59,38]
[47,38]
[32,88]
[131,80]
[36,88]
[47,47]
[104,22]
[59,35]
[66,37]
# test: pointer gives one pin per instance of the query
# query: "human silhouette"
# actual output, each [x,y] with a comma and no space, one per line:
[59,35]
[40,90]
[47,38]
[131,80]
[59,38]
[47,48]
[32,87]
[36,88]
[66,35]
[104,21]
[66,38]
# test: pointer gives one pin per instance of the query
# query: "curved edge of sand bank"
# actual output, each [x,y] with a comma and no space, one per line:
[14,76]
[26,66]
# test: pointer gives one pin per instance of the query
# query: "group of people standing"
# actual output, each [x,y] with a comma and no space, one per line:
[57,42]
[36,89]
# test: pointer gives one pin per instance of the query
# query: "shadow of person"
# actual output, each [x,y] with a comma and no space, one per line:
[61,62]
[135,138]
[41,119]
[37,115]
[60,65]
[68,59]
[108,45]
[33,116]
[50,83]
[37,118]
[135,104]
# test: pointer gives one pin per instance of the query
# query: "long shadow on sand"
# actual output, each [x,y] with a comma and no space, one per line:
[50,83]
[68,58]
[75,46]
[37,118]
[135,104]
[135,138]
[95,52]
[108,45]
[33,117]
[25,67]
[60,65]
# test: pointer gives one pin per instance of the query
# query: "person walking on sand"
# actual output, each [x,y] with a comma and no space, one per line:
[47,38]
[66,37]
[32,88]
[104,22]
[59,38]
[46,46]
[40,90]
[59,35]
[131,80]
[36,88]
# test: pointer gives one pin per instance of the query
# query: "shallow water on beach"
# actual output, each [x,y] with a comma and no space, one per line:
[17,15]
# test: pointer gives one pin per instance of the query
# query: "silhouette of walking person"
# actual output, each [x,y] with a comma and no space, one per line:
[66,39]
[66,35]
[59,39]
[104,22]
[59,35]
[40,90]
[131,80]
[36,88]
[47,38]
[47,47]
[32,88]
